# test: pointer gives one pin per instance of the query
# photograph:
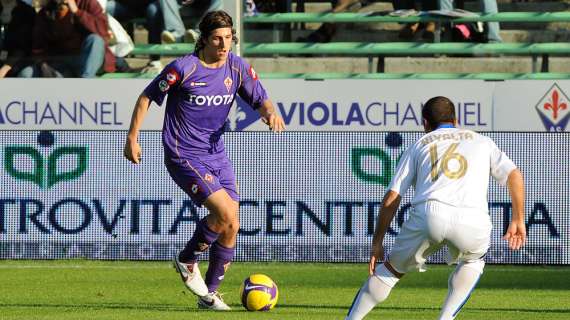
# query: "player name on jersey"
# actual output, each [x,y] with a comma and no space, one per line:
[457,136]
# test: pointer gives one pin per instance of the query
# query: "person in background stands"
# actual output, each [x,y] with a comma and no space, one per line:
[409,31]
[17,20]
[487,6]
[196,10]
[70,40]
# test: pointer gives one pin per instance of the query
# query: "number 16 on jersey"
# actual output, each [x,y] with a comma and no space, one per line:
[443,165]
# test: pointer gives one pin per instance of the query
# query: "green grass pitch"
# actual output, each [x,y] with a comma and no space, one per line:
[80,289]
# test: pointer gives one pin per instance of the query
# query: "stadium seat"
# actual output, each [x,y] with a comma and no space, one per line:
[388,49]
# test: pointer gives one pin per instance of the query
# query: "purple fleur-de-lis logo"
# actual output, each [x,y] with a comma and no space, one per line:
[553,109]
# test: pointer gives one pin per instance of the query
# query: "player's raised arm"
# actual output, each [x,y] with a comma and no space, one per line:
[270,117]
[132,150]
[390,204]
[516,233]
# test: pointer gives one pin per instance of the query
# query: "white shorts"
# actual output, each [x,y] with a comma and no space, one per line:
[432,224]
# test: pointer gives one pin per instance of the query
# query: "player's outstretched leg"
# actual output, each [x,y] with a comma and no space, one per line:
[220,259]
[186,261]
[223,219]
[461,283]
[375,290]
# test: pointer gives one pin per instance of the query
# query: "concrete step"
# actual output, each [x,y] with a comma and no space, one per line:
[404,64]
[539,6]
[504,6]
[392,65]
[458,65]
[395,26]
[366,35]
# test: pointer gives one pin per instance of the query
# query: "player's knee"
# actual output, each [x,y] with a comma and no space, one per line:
[227,217]
[477,265]
[377,289]
[233,227]
[228,222]
[384,274]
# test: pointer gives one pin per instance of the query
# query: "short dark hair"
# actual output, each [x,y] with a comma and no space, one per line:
[211,21]
[438,110]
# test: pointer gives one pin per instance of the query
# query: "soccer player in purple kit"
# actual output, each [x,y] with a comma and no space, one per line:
[201,89]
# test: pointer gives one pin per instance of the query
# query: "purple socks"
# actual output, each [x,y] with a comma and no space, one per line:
[220,259]
[199,243]
[220,256]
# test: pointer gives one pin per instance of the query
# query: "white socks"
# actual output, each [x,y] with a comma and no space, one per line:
[375,290]
[461,283]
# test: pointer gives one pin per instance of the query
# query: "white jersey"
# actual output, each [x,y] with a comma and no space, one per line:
[452,166]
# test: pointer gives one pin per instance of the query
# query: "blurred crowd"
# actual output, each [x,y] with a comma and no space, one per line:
[83,38]
[488,32]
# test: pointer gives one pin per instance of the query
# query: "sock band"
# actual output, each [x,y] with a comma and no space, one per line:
[220,259]
[200,242]
[386,276]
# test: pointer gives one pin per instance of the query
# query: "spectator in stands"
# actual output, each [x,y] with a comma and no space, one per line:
[163,20]
[327,30]
[16,26]
[196,9]
[157,21]
[250,9]
[70,40]
[267,6]
[411,29]
[487,6]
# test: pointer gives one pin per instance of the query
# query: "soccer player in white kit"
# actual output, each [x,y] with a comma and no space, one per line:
[449,169]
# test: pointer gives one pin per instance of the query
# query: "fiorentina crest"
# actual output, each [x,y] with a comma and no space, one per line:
[554,110]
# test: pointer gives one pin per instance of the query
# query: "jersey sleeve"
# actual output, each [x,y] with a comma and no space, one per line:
[169,79]
[501,165]
[251,90]
[405,173]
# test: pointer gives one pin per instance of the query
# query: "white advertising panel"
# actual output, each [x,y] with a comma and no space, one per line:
[532,105]
[328,105]
[305,196]
[370,105]
[72,104]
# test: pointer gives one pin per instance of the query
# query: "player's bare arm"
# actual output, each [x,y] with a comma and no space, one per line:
[390,204]
[516,233]
[270,116]
[132,150]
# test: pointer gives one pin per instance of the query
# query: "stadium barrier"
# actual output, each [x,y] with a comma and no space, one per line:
[379,50]
[384,17]
[70,194]
[324,105]
[534,50]
[401,49]
[380,76]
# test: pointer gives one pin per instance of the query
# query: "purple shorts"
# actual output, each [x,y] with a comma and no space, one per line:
[200,178]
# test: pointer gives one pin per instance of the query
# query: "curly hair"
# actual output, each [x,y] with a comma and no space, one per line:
[211,21]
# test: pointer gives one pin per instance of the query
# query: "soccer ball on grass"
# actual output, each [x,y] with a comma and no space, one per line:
[258,293]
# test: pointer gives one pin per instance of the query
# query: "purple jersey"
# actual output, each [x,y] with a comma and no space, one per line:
[199,101]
